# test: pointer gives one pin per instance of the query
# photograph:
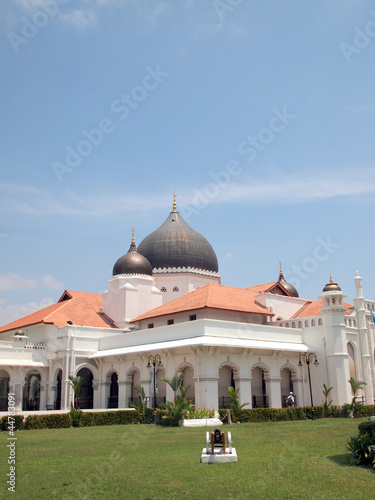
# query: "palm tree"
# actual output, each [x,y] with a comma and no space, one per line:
[356,385]
[175,382]
[76,383]
[326,404]
[236,407]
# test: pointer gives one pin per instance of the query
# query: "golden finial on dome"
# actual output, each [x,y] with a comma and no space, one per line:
[133,240]
[281,269]
[174,202]
[330,278]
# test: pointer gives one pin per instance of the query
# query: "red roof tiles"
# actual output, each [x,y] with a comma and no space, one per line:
[81,308]
[210,296]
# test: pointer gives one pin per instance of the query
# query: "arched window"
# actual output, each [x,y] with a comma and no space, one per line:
[176,289]
[163,289]
[299,324]
[320,321]
[306,323]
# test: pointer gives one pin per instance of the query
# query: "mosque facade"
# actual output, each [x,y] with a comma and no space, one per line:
[165,301]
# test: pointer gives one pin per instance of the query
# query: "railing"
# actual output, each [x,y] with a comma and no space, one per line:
[261,401]
[112,402]
[225,402]
[3,404]
[30,405]
[86,404]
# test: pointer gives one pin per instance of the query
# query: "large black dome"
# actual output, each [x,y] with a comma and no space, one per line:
[132,263]
[176,245]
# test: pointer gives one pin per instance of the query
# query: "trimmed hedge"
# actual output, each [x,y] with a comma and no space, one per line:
[62,420]
[18,423]
[297,413]
[52,421]
[120,417]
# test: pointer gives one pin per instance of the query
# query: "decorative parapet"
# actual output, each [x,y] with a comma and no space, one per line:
[193,270]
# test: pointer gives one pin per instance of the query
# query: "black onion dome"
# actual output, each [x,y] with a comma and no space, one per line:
[176,245]
[331,286]
[132,263]
[287,285]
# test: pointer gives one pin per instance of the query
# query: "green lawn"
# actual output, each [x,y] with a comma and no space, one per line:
[301,459]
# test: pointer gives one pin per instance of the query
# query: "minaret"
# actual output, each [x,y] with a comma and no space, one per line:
[363,372]
[337,358]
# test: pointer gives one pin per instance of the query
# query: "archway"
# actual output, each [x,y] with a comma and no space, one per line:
[189,380]
[113,391]
[258,387]
[58,390]
[86,397]
[226,379]
[286,385]
[31,391]
[4,390]
[135,381]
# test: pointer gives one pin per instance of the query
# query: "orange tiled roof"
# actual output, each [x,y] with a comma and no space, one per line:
[209,296]
[81,308]
[312,308]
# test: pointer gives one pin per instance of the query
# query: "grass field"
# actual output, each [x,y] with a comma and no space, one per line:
[301,459]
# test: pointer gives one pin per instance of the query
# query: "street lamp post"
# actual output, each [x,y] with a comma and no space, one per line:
[308,358]
[154,361]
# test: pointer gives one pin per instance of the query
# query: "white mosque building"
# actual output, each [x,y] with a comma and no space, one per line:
[165,298]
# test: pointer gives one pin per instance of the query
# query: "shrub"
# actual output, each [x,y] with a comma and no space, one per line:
[367,427]
[120,417]
[17,423]
[201,413]
[51,421]
[75,415]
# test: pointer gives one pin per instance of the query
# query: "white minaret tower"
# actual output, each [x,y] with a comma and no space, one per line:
[337,358]
[363,372]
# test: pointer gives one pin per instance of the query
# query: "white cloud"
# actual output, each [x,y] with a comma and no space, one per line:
[11,312]
[13,281]
[277,187]
[79,19]
[51,282]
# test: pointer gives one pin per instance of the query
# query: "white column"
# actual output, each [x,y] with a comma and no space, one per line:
[244,393]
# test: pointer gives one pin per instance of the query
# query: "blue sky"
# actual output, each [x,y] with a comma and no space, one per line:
[259,115]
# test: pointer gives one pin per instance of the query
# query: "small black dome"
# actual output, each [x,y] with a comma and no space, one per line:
[175,244]
[132,263]
[331,286]
[287,285]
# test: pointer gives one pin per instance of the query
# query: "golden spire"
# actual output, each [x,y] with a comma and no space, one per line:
[330,278]
[133,240]
[174,202]
[281,269]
